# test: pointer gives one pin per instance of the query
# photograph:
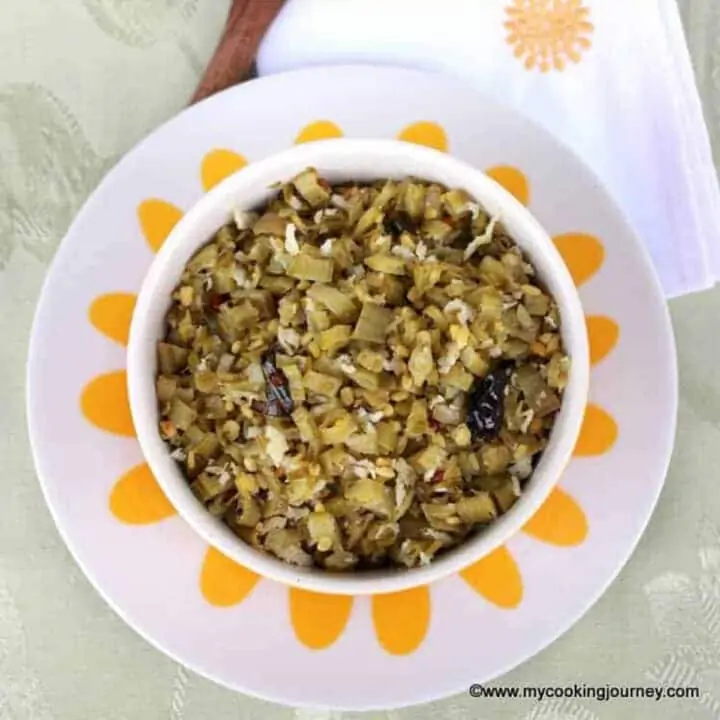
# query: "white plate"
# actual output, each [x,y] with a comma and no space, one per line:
[291,646]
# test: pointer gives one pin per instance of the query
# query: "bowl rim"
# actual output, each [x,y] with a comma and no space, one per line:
[349,158]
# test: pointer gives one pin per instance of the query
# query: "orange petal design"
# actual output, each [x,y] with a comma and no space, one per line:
[598,433]
[583,254]
[223,582]
[497,578]
[548,32]
[111,315]
[157,219]
[317,618]
[319,130]
[402,619]
[513,180]
[603,334]
[559,521]
[219,164]
[426,133]
[104,403]
[137,499]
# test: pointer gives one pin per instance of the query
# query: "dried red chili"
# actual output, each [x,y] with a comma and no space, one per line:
[278,386]
[398,223]
[215,300]
[438,476]
[486,404]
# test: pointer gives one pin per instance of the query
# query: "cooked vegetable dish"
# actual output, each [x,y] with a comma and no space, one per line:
[359,376]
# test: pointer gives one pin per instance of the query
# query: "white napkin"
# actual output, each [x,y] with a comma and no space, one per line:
[627,105]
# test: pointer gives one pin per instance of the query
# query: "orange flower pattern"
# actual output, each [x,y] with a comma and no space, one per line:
[545,34]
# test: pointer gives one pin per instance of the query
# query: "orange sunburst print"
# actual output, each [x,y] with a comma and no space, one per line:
[401,620]
[546,34]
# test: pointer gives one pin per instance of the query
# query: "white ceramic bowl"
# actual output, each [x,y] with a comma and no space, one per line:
[343,160]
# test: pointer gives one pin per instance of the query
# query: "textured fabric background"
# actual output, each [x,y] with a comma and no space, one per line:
[69,72]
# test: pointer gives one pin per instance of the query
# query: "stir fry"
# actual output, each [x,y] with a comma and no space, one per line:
[358,376]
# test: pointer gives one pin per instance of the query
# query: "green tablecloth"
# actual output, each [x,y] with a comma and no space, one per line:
[98,75]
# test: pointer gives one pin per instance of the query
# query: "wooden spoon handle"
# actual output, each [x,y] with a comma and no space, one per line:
[247,22]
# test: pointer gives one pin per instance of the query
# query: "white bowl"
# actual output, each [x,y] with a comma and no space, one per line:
[343,160]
